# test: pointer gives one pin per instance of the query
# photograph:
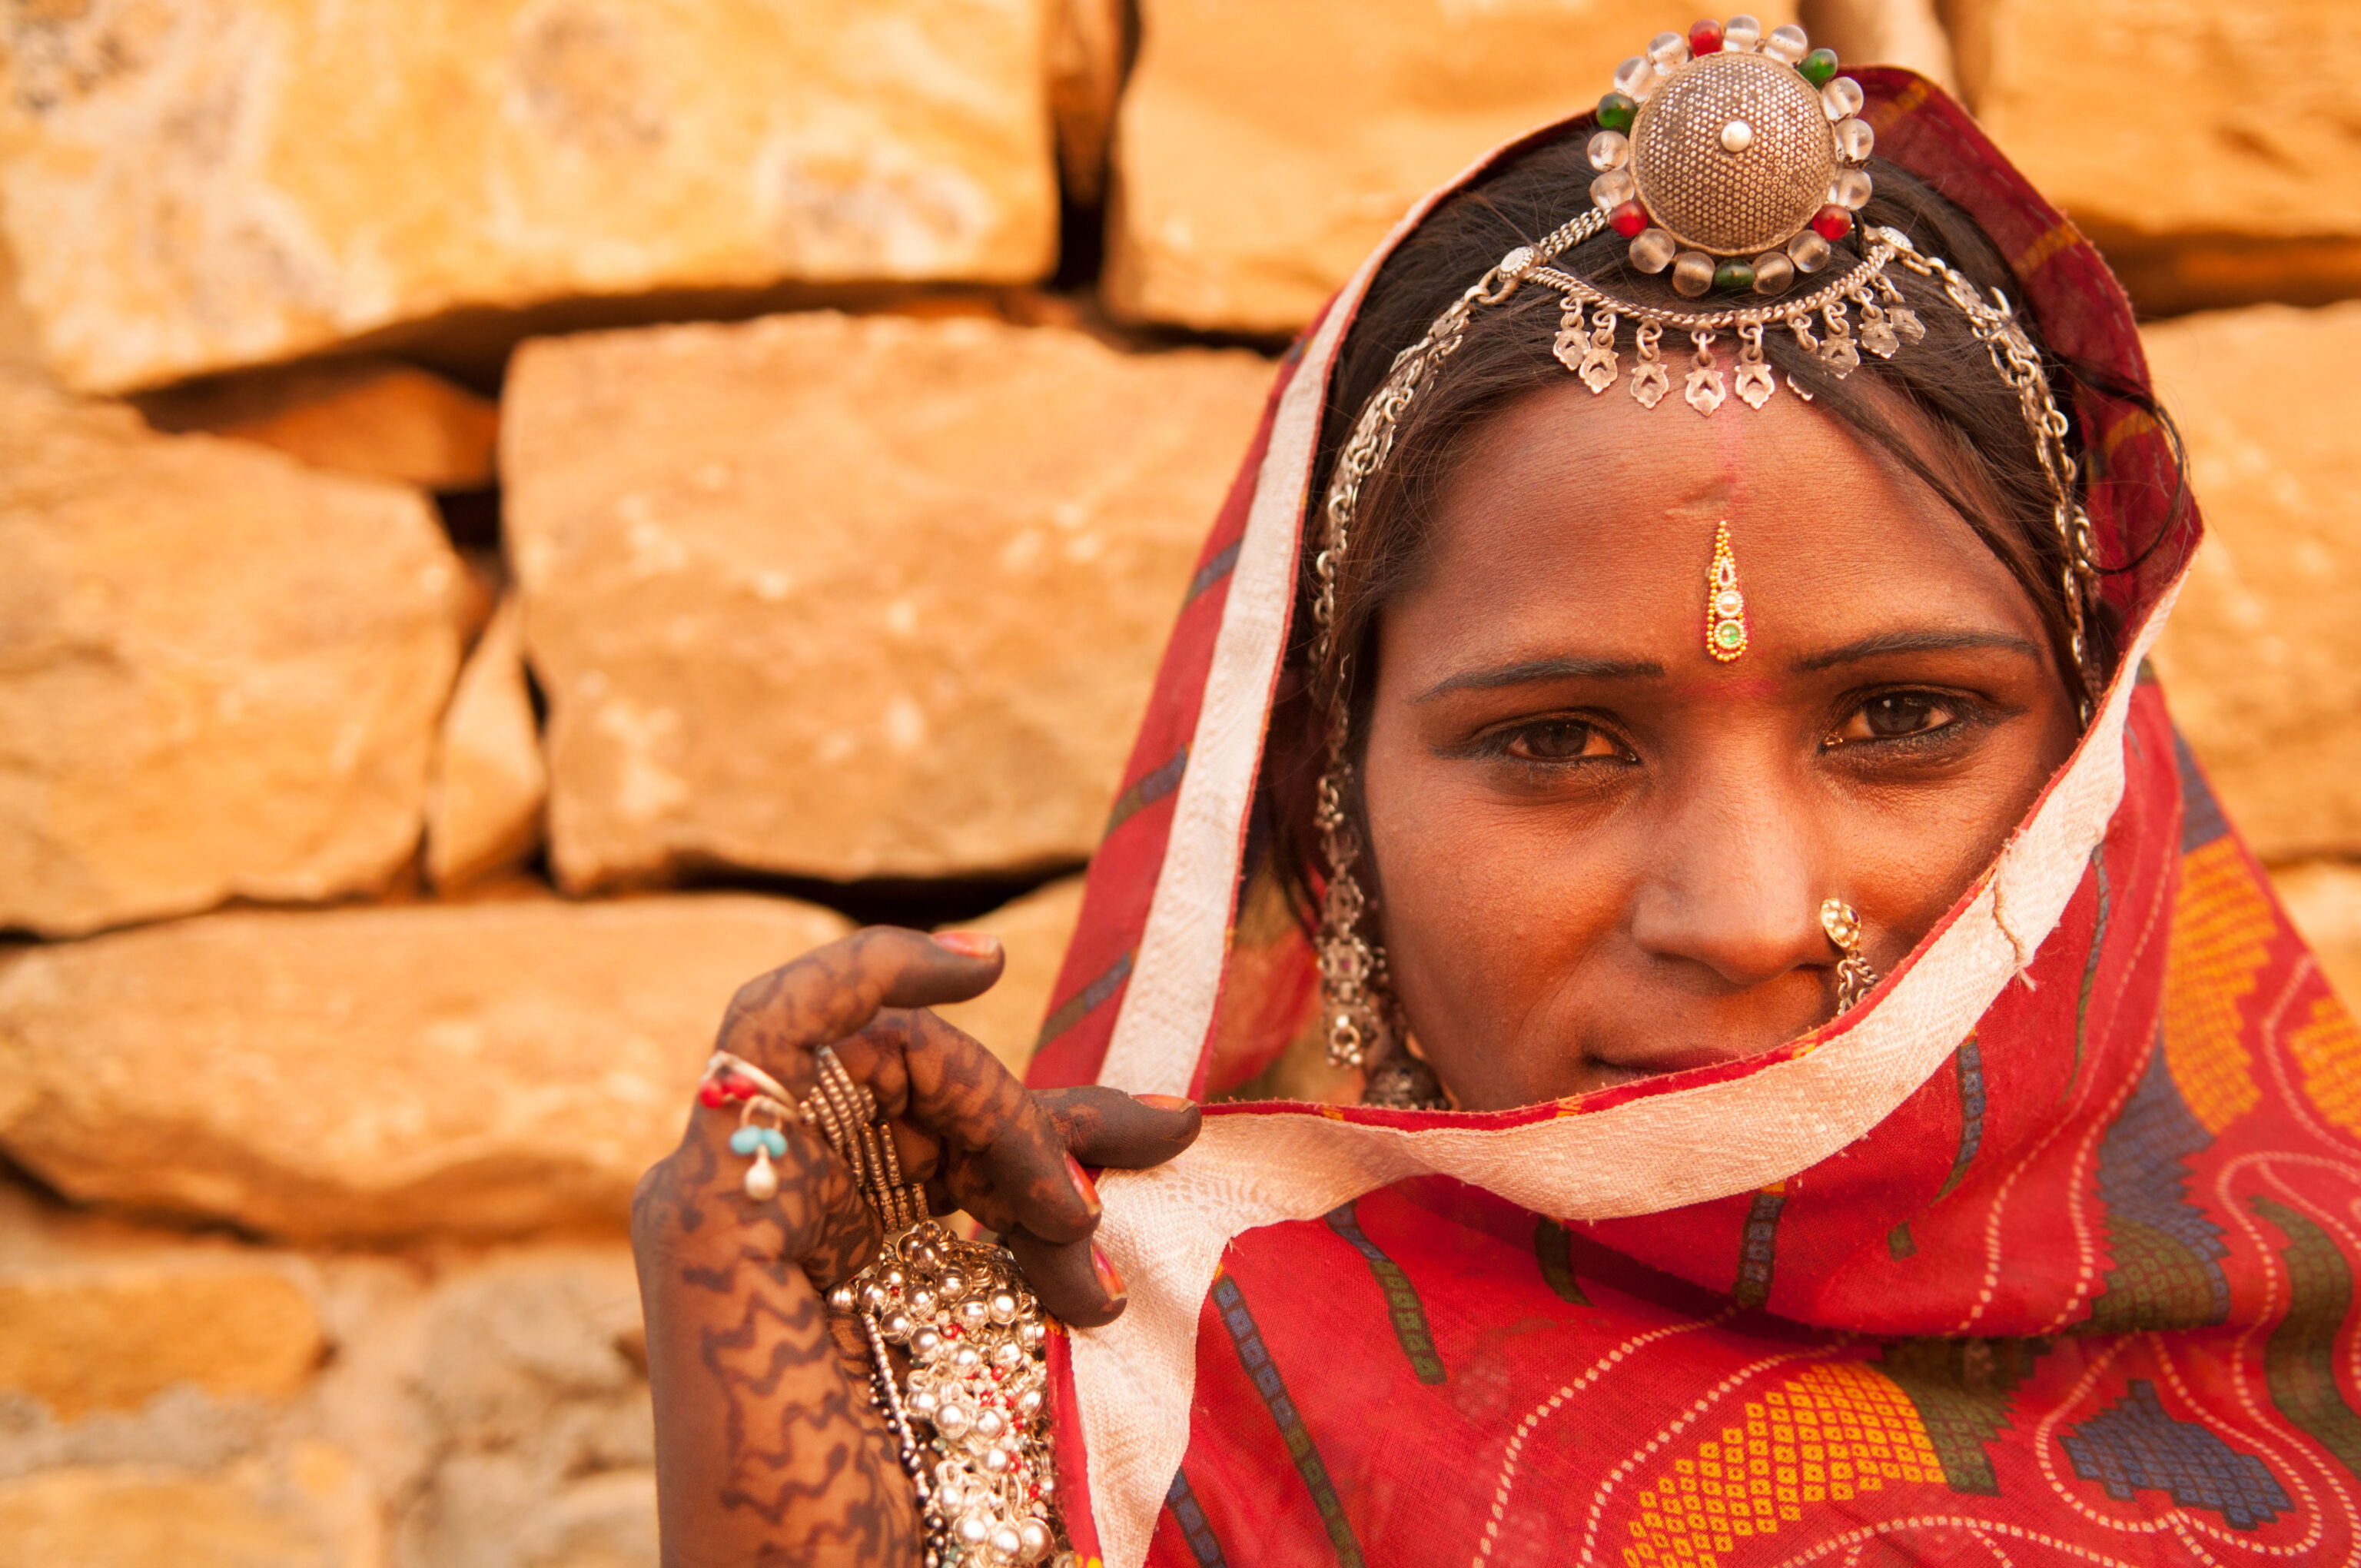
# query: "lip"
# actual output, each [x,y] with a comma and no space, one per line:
[1634,1061]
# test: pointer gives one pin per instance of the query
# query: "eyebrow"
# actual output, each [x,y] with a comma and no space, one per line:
[1529,671]
[1915,643]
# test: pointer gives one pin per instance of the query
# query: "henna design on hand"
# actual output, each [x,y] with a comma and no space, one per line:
[766,1450]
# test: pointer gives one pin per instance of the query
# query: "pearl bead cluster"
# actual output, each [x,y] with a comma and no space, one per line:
[969,1418]
[1654,249]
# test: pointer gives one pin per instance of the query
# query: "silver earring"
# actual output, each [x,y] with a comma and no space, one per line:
[1351,970]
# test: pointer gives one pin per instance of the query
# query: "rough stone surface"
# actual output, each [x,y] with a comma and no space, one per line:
[2323,899]
[220,671]
[19,345]
[202,185]
[483,811]
[2262,659]
[2208,148]
[1262,150]
[1884,32]
[1086,50]
[360,415]
[852,596]
[480,1069]
[526,1366]
[1035,930]
[492,1404]
[310,1509]
[94,1317]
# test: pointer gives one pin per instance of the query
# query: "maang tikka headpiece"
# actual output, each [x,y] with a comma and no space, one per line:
[1736,162]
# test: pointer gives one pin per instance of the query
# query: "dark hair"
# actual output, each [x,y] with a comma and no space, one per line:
[1943,392]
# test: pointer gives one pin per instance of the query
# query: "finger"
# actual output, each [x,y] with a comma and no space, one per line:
[999,1145]
[833,991]
[1105,1127]
[1074,1280]
[920,1152]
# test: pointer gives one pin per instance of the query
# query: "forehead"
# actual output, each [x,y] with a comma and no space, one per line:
[1591,509]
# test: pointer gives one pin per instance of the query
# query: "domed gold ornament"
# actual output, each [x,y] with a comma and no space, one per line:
[1733,154]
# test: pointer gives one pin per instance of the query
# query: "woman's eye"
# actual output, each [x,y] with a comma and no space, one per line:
[1895,715]
[1559,740]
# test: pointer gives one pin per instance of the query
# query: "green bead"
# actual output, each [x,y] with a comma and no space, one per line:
[1616,112]
[1734,275]
[1729,634]
[1818,67]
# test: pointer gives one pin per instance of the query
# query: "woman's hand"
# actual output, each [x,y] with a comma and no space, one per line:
[766,1449]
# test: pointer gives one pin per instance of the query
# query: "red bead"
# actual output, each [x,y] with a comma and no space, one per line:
[1629,220]
[1832,223]
[1705,37]
[710,1093]
[741,1088]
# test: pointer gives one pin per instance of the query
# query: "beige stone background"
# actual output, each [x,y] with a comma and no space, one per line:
[516,515]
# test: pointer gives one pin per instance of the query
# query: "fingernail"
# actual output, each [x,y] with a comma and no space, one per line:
[1164,1101]
[969,944]
[1109,1280]
[1083,1185]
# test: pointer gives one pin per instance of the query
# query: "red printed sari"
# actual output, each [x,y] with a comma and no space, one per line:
[2044,1256]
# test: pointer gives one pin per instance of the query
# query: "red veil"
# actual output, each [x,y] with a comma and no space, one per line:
[2045,1257]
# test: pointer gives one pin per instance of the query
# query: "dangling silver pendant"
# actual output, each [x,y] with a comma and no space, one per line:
[1906,323]
[1838,353]
[1755,383]
[1601,364]
[1568,346]
[1650,382]
[1705,391]
[1876,333]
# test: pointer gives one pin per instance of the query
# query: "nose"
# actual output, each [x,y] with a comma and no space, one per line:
[1733,888]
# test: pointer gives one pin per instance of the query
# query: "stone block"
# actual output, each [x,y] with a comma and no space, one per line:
[1908,33]
[484,1068]
[1086,59]
[2323,899]
[216,183]
[852,596]
[1262,150]
[19,345]
[547,1440]
[483,810]
[93,1317]
[360,415]
[1035,930]
[220,671]
[2262,659]
[311,1509]
[2208,150]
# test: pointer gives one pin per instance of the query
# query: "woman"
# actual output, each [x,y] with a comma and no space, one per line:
[1742,1038]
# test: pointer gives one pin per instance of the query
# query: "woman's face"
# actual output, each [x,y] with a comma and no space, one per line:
[1601,853]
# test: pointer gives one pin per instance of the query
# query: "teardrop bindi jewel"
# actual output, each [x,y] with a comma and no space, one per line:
[1724,605]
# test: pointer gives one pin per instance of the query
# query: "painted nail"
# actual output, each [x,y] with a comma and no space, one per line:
[1109,1280]
[1083,1185]
[969,944]
[1164,1101]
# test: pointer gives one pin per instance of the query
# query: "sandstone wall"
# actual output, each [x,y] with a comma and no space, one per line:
[853,596]
[256,179]
[1262,149]
[406,746]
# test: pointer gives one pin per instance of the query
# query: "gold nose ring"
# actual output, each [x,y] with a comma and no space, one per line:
[1855,979]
